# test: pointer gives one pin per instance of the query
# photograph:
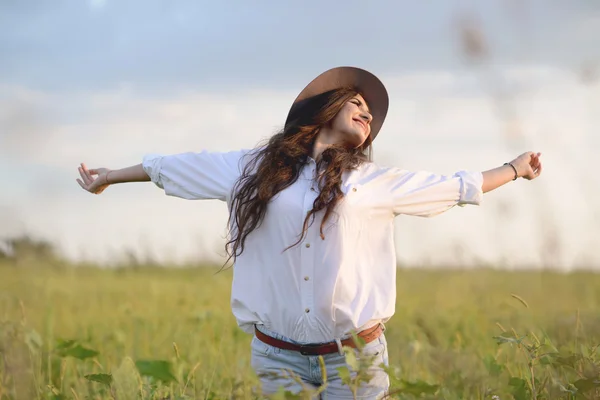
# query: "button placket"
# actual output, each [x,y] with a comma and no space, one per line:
[306,252]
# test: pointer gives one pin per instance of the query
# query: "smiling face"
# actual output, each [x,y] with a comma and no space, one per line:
[352,125]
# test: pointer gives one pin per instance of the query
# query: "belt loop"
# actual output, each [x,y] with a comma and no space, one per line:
[339,346]
[382,326]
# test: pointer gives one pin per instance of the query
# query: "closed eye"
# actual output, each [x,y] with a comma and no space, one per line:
[358,103]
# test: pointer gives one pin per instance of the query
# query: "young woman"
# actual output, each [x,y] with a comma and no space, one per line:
[311,226]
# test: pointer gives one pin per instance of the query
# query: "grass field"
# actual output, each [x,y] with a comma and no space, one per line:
[147,332]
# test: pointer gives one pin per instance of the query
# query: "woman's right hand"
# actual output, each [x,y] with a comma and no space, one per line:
[88,182]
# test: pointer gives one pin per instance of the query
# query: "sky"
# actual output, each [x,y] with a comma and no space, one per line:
[106,82]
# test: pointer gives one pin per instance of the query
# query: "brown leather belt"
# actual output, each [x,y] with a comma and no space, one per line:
[368,335]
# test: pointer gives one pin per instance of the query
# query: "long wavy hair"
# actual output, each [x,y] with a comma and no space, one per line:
[276,165]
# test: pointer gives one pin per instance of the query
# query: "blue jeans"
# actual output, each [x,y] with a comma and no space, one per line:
[271,363]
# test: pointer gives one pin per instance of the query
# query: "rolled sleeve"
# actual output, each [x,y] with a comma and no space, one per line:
[471,188]
[151,164]
[193,176]
[428,194]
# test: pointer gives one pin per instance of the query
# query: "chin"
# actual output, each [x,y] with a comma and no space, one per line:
[358,140]
[354,138]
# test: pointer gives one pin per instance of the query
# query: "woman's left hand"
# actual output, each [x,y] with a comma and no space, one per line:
[528,165]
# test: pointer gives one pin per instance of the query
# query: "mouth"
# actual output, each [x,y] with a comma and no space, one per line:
[362,123]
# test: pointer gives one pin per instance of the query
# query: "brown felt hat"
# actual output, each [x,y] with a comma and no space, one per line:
[369,86]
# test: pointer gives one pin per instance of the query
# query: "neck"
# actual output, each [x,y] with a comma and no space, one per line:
[323,141]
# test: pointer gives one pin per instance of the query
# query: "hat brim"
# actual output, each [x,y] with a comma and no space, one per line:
[367,84]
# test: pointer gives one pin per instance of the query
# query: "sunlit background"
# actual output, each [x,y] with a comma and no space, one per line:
[472,84]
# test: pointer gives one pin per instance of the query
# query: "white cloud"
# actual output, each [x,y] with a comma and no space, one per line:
[438,121]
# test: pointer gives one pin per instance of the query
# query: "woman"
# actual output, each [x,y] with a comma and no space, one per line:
[311,227]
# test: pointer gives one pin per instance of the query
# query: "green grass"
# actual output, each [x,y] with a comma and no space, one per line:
[441,338]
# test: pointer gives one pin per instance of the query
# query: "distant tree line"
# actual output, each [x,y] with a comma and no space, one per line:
[26,248]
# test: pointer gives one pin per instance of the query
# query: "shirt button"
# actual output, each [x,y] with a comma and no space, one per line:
[306,278]
[307,245]
[312,188]
[307,310]
[354,189]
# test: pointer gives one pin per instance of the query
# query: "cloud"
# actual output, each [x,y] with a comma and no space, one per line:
[23,114]
[439,120]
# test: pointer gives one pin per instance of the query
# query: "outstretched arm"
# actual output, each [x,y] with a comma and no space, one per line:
[98,179]
[428,194]
[190,175]
[527,165]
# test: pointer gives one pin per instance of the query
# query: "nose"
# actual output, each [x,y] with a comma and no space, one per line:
[367,117]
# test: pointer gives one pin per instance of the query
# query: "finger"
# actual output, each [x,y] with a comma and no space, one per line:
[87,173]
[539,170]
[84,177]
[83,186]
[532,162]
[530,173]
[93,171]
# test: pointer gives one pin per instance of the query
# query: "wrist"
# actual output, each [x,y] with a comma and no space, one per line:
[107,180]
[513,168]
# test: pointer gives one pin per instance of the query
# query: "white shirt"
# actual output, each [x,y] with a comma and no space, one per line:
[320,289]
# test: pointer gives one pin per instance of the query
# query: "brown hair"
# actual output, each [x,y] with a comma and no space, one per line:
[277,165]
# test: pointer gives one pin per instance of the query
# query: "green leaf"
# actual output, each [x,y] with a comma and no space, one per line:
[157,369]
[547,359]
[394,374]
[520,390]
[351,359]
[283,394]
[493,368]
[101,378]
[79,352]
[280,395]
[418,388]
[64,344]
[546,343]
[344,373]
[585,385]
[568,361]
[507,337]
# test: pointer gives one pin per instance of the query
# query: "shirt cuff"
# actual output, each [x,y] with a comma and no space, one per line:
[471,184]
[151,164]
